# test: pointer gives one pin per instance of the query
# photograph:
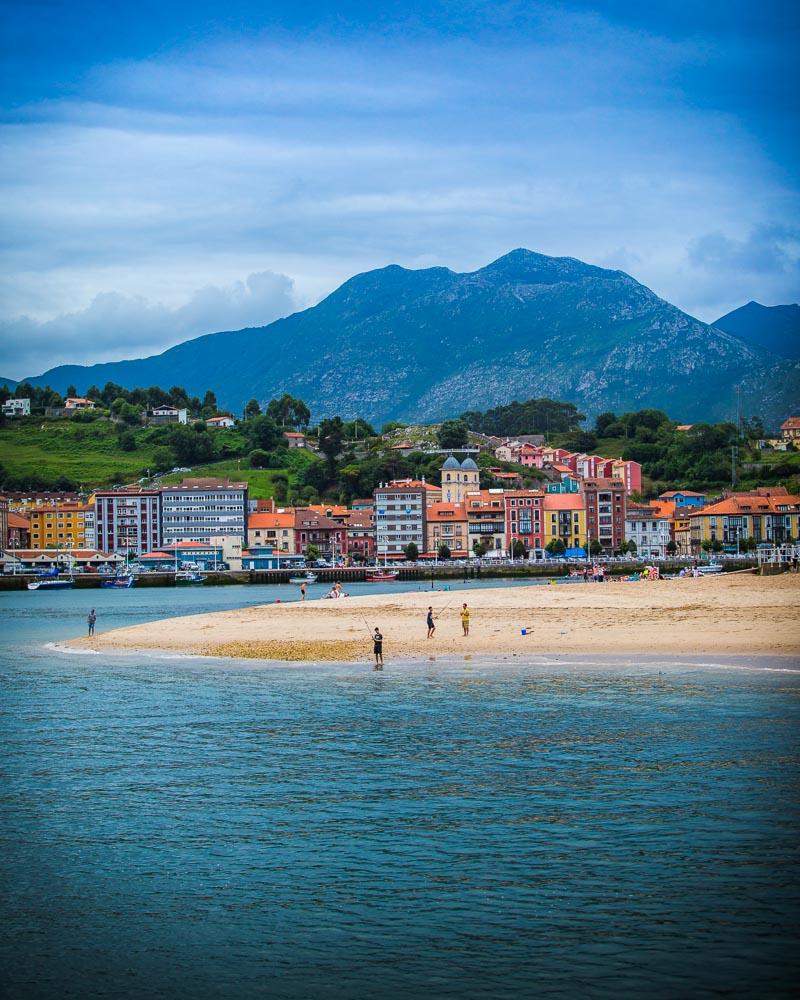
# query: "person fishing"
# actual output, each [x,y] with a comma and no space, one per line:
[91,621]
[377,647]
[431,623]
[465,619]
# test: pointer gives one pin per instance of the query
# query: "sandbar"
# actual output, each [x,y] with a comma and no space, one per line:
[738,613]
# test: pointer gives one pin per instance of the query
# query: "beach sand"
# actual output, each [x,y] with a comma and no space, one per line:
[740,613]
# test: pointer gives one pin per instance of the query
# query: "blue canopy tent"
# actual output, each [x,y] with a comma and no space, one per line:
[575,554]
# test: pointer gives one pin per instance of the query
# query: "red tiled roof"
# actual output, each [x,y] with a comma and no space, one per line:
[563,501]
[284,519]
[446,512]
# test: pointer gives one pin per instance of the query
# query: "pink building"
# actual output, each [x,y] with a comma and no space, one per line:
[629,472]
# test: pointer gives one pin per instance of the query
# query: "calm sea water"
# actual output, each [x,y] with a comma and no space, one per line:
[560,827]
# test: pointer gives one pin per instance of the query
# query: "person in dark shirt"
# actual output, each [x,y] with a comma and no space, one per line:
[431,623]
[91,621]
[377,647]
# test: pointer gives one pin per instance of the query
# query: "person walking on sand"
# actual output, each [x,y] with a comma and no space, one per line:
[302,591]
[377,647]
[465,619]
[431,623]
[91,621]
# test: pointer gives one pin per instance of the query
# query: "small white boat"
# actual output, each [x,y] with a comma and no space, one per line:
[305,578]
[52,583]
[707,568]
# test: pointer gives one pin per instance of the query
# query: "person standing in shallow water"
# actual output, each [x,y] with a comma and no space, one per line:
[302,591]
[431,623]
[91,621]
[377,646]
[465,619]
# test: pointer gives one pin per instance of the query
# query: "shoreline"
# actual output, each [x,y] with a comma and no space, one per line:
[741,615]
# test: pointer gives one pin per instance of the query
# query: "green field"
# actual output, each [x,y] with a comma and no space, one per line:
[259,481]
[89,455]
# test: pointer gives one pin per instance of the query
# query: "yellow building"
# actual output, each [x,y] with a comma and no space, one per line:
[564,517]
[774,518]
[62,526]
[458,479]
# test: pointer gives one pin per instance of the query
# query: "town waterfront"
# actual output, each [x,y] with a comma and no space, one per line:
[180,826]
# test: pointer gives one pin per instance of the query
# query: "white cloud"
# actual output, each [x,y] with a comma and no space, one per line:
[115,326]
[319,160]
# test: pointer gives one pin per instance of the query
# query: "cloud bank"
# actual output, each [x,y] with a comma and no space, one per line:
[308,151]
[117,326]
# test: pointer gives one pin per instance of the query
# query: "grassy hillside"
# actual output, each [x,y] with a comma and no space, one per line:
[89,455]
[260,481]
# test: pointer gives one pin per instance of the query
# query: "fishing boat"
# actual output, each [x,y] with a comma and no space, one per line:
[382,575]
[121,582]
[709,568]
[184,577]
[52,583]
[305,578]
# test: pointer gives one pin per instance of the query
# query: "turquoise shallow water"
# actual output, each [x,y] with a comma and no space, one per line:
[560,827]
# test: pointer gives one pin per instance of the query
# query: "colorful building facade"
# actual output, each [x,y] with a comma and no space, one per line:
[62,526]
[524,510]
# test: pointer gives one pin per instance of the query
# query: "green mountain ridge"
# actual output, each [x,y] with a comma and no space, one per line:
[773,328]
[428,344]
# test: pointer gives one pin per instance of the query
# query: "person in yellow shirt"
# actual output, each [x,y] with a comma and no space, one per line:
[465,619]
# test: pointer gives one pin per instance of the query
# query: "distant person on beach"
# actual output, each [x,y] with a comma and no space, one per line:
[431,623]
[91,621]
[302,591]
[794,564]
[465,619]
[377,647]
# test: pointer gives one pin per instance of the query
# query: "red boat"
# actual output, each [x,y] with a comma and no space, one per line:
[382,575]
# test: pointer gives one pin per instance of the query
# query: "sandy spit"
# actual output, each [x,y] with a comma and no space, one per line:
[727,614]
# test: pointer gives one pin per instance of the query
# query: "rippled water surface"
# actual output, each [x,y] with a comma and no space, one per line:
[559,828]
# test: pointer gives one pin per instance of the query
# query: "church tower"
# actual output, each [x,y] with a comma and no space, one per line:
[458,479]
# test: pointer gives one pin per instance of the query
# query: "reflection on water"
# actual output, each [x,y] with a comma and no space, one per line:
[551,828]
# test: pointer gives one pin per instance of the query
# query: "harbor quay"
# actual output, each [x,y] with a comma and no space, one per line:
[358,574]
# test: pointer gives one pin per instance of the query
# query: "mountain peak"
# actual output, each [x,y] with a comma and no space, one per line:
[528,266]
[427,344]
[774,328]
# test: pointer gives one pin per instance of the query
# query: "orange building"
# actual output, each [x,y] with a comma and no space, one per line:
[447,525]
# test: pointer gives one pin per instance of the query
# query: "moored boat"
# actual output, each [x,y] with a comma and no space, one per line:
[184,577]
[52,583]
[707,568]
[122,582]
[382,575]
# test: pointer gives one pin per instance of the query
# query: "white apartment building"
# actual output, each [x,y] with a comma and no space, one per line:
[649,530]
[17,407]
[201,509]
[400,516]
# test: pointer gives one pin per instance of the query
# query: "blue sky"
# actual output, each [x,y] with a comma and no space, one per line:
[173,169]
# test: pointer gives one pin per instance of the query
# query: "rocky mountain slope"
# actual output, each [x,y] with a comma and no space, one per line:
[427,344]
